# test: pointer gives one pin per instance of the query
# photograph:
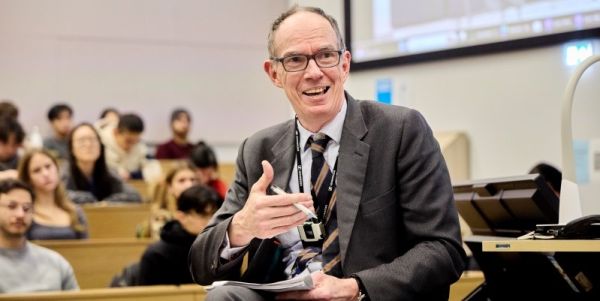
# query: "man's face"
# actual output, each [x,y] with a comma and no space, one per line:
[16,213]
[62,124]
[315,93]
[126,139]
[181,125]
[9,149]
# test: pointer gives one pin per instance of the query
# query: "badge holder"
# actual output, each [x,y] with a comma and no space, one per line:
[311,231]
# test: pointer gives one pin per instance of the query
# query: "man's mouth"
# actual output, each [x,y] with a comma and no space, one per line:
[316,91]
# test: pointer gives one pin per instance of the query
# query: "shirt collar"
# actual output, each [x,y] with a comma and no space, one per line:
[333,129]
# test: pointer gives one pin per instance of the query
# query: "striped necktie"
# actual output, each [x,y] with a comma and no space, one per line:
[325,201]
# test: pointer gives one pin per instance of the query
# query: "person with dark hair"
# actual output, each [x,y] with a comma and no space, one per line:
[8,109]
[55,216]
[551,174]
[26,267]
[11,139]
[125,153]
[61,119]
[87,177]
[207,168]
[179,146]
[165,262]
[386,225]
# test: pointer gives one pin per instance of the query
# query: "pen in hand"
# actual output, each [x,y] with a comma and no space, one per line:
[279,191]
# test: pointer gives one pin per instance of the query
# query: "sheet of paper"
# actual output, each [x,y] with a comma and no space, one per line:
[300,282]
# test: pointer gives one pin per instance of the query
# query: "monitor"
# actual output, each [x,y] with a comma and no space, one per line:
[510,206]
[384,32]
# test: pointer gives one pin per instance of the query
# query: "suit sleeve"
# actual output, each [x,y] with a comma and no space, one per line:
[204,259]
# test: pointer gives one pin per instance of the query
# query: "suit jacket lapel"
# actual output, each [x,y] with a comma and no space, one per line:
[353,159]
[283,157]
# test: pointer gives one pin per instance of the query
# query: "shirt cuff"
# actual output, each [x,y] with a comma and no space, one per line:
[227,252]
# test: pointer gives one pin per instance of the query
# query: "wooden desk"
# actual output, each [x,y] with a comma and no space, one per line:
[468,282]
[540,245]
[188,292]
[115,220]
[96,261]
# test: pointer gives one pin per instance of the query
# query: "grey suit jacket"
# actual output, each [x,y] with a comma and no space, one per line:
[399,230]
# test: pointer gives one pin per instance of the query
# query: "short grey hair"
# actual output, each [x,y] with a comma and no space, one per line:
[296,9]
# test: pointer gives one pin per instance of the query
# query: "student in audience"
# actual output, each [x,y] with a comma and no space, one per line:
[87,177]
[8,109]
[61,119]
[178,147]
[109,117]
[125,153]
[55,216]
[165,262]
[11,139]
[26,267]
[207,169]
[164,202]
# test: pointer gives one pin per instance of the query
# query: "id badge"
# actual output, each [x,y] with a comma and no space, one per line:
[311,232]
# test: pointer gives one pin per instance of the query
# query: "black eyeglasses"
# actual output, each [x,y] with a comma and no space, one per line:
[299,62]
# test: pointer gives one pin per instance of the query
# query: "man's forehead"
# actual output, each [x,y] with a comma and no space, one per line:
[16,195]
[302,27]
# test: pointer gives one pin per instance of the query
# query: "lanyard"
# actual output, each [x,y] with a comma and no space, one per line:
[330,188]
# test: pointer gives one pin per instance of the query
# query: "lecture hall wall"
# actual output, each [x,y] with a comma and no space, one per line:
[149,56]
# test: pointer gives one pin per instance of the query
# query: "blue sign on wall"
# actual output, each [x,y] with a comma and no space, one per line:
[384,90]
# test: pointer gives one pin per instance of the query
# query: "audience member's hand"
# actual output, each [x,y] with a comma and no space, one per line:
[326,288]
[265,216]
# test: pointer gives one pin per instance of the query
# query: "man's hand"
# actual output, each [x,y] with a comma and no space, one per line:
[265,216]
[326,288]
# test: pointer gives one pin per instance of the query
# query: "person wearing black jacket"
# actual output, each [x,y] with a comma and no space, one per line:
[165,262]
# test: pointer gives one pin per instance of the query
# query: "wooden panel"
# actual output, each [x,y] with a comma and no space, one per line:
[227,172]
[96,261]
[468,282]
[188,292]
[142,187]
[115,220]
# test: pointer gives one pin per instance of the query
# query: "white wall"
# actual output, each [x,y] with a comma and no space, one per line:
[145,56]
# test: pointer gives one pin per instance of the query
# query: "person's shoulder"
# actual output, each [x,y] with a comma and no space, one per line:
[269,136]
[47,256]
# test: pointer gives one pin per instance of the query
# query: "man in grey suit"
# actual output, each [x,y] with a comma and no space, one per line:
[388,215]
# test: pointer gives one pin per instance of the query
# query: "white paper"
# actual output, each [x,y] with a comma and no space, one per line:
[298,283]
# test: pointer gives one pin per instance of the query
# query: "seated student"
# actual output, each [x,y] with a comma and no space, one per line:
[179,146]
[125,153]
[61,119]
[165,262]
[11,139]
[207,169]
[87,177]
[55,215]
[26,267]
[164,202]
[8,109]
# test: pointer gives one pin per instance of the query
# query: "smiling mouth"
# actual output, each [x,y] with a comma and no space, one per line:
[316,91]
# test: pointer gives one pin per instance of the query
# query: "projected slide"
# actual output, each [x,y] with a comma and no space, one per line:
[391,28]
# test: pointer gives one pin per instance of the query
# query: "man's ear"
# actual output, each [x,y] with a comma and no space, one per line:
[346,58]
[271,70]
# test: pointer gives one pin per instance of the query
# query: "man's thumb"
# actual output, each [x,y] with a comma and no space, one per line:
[267,177]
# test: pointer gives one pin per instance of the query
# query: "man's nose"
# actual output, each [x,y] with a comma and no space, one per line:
[313,70]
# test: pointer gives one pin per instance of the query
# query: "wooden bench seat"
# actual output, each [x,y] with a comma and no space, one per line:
[188,292]
[115,220]
[96,261]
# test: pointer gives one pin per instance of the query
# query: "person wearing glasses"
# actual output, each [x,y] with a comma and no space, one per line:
[26,267]
[87,177]
[386,227]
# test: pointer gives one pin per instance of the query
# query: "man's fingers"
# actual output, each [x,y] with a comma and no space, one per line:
[265,180]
